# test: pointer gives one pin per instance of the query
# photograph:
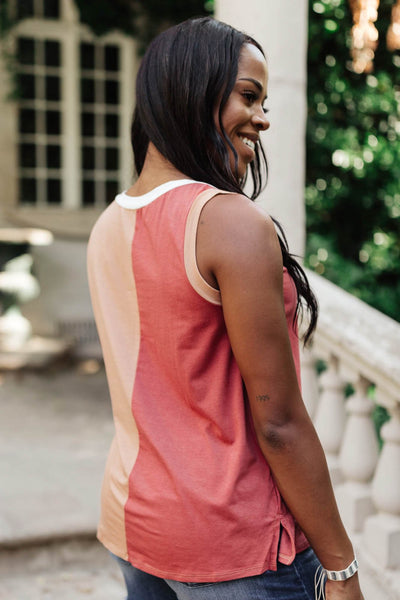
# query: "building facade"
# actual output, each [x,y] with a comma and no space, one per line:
[65,112]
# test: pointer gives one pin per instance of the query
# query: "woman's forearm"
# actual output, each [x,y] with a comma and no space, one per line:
[297,461]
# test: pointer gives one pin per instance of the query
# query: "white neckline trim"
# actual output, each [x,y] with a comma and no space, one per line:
[135,202]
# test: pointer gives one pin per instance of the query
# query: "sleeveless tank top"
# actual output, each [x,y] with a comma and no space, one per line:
[187,493]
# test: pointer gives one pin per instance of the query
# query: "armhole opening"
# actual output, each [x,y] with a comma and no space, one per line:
[196,279]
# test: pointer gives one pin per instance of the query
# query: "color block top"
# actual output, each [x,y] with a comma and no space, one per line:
[187,493]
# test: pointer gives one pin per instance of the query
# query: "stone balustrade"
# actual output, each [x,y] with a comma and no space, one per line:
[359,346]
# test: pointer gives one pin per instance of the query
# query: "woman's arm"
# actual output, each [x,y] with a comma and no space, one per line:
[238,249]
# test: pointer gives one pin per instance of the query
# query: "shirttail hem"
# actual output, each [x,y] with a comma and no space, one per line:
[111,547]
[204,577]
[179,576]
[286,559]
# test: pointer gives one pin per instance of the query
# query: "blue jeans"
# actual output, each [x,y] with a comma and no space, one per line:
[293,582]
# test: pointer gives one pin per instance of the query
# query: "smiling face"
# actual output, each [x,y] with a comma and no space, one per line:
[243,116]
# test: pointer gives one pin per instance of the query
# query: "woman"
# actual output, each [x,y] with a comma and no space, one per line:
[216,484]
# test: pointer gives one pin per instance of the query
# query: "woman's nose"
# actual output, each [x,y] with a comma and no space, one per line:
[261,121]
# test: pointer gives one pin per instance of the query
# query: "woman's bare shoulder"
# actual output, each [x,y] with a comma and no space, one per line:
[235,227]
[221,206]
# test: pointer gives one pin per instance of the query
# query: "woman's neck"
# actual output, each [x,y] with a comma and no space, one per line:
[156,171]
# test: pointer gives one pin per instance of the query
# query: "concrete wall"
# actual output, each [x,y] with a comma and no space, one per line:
[61,271]
[280,26]
[63,306]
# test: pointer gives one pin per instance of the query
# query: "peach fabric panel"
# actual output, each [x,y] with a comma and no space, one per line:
[114,300]
[197,281]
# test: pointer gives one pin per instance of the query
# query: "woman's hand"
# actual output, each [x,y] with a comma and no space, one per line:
[344,590]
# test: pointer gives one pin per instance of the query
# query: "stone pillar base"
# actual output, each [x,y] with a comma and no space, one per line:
[355,504]
[382,539]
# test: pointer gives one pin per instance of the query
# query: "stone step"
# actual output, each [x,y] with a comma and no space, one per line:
[77,569]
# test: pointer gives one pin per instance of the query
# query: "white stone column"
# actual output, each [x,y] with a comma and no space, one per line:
[309,379]
[330,417]
[382,531]
[281,28]
[357,459]
[8,127]
[71,128]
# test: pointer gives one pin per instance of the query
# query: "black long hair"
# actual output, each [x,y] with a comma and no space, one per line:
[187,71]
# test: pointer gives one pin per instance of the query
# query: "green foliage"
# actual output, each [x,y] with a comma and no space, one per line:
[6,22]
[380,416]
[353,160]
[105,15]
[142,18]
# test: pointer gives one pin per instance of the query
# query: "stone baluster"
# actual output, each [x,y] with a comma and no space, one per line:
[330,416]
[382,531]
[309,380]
[357,459]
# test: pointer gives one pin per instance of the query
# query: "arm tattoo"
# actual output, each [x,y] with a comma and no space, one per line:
[262,397]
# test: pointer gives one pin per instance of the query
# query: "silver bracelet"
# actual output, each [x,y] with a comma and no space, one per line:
[343,575]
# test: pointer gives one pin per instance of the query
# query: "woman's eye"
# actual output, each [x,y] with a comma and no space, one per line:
[265,110]
[250,96]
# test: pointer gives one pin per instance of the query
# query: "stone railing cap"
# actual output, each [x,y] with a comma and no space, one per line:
[356,330]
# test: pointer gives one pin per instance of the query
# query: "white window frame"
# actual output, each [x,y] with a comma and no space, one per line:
[71,219]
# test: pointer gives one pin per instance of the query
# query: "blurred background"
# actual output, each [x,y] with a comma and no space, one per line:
[67,87]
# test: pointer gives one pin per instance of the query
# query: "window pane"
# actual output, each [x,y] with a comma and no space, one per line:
[26,86]
[87,90]
[24,9]
[53,156]
[54,191]
[111,191]
[88,192]
[52,88]
[52,54]
[27,191]
[87,124]
[112,58]
[53,122]
[112,92]
[51,9]
[111,159]
[87,56]
[88,158]
[27,155]
[27,121]
[111,126]
[26,51]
